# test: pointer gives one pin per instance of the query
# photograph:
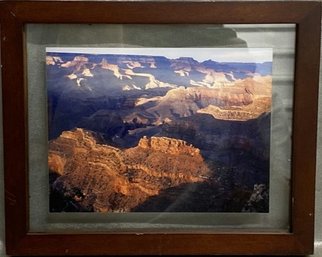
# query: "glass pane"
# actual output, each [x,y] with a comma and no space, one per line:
[243,184]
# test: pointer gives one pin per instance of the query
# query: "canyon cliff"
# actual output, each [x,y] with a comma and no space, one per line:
[103,173]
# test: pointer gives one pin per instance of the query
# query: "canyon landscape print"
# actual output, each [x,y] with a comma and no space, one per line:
[158,129]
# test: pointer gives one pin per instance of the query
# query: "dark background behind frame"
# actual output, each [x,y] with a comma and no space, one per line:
[12,100]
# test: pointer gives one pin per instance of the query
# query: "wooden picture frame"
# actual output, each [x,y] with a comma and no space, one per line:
[299,240]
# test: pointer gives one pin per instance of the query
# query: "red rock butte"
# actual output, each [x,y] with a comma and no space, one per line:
[134,174]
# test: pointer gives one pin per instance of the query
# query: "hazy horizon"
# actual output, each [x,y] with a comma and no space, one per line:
[239,55]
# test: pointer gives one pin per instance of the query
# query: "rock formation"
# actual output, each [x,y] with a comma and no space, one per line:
[102,172]
[258,201]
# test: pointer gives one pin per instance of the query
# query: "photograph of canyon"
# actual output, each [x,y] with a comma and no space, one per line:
[159,129]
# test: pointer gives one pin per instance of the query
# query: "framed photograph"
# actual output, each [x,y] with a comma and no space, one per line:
[128,131]
[152,123]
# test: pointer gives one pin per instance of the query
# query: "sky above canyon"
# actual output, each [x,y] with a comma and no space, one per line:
[257,55]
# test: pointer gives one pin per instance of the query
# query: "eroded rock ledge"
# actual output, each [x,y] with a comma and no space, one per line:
[111,179]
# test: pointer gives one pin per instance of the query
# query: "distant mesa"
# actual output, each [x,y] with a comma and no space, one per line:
[112,67]
[160,71]
[77,62]
[246,100]
[53,60]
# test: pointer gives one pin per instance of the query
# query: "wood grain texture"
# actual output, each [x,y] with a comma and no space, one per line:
[160,12]
[305,123]
[15,128]
[14,14]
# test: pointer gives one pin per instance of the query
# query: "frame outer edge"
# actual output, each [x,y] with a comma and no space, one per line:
[292,11]
[306,96]
[18,242]
[14,101]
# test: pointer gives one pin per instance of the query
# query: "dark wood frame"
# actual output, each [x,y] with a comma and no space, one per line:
[14,14]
